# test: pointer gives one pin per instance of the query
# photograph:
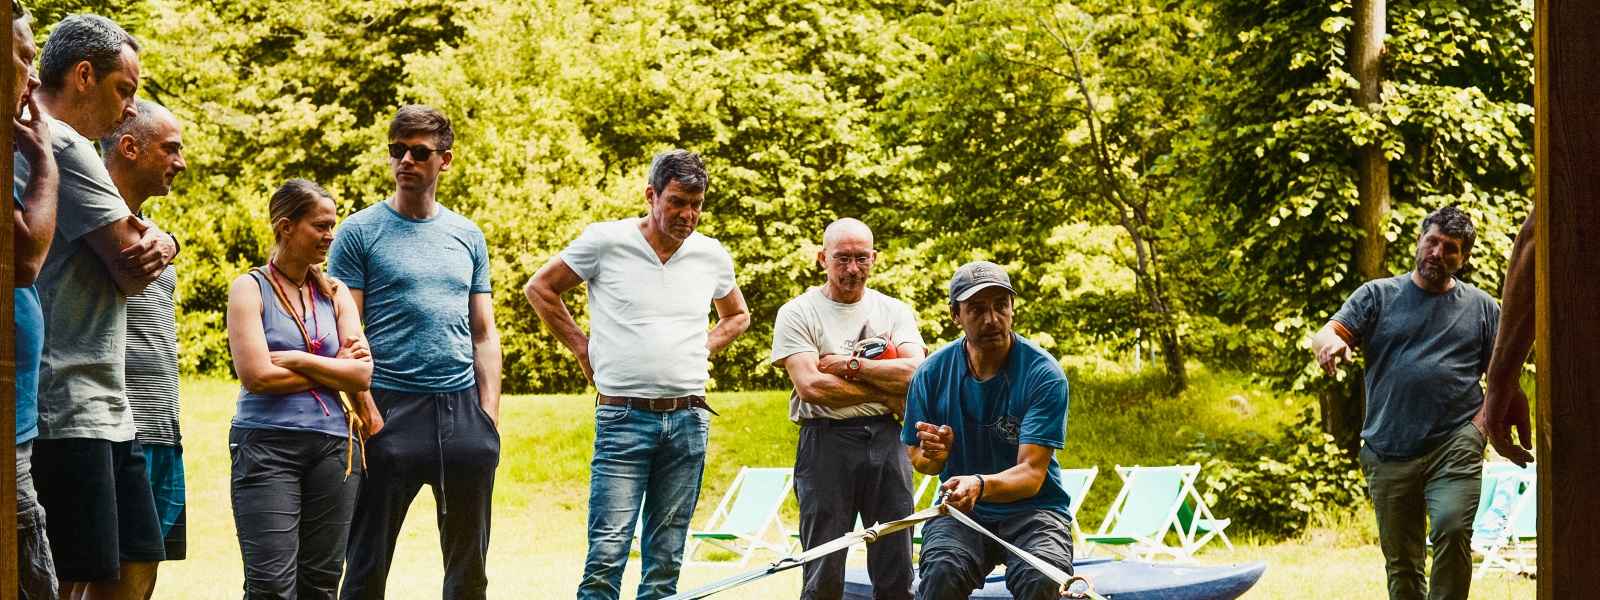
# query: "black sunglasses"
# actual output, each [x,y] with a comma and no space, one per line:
[419,152]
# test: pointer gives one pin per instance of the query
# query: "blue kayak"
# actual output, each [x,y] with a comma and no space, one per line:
[1122,580]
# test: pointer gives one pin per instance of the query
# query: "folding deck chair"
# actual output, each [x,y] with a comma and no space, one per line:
[746,514]
[1155,501]
[1507,519]
[1077,482]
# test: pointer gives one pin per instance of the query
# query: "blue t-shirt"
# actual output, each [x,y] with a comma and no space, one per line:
[1025,403]
[29,319]
[1426,354]
[417,276]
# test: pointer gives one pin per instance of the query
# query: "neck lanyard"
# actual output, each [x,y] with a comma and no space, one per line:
[313,338]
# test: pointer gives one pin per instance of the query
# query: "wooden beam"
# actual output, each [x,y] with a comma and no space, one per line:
[8,344]
[1567,185]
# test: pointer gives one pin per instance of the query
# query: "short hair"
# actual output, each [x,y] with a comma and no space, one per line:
[81,38]
[415,119]
[678,165]
[141,125]
[1454,223]
[18,12]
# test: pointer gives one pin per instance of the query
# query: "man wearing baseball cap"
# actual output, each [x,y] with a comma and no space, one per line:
[986,414]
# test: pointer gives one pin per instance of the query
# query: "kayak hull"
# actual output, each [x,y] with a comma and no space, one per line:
[1122,580]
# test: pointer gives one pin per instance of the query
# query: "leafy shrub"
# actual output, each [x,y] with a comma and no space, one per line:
[1275,486]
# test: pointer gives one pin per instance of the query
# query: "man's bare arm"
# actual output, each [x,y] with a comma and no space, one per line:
[32,229]
[544,292]
[135,252]
[485,353]
[1016,483]
[733,317]
[1505,405]
[823,389]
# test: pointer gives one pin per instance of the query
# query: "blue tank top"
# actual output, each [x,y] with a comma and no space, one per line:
[299,411]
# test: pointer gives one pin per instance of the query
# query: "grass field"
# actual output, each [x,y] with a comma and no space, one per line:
[542,489]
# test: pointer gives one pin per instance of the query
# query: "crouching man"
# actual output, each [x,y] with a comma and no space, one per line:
[986,414]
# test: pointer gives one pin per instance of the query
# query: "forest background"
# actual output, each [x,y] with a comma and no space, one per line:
[1180,176]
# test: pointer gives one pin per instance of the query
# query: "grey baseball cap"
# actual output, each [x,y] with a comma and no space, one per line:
[977,275]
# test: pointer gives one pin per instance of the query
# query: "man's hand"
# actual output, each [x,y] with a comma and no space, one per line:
[32,133]
[962,492]
[935,441]
[1498,428]
[1330,355]
[149,256]
[372,420]
[837,365]
[583,362]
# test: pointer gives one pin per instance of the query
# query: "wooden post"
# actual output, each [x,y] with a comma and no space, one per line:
[8,344]
[1372,187]
[1567,186]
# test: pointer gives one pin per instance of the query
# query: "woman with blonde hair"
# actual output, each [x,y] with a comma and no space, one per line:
[298,349]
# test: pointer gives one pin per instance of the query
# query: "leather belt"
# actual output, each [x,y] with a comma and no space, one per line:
[655,404]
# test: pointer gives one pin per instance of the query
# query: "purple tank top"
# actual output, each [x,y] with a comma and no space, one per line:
[299,411]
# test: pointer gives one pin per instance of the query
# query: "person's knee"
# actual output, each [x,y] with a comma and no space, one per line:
[1029,584]
[948,569]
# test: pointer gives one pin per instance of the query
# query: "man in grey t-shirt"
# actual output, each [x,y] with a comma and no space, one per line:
[88,467]
[1427,337]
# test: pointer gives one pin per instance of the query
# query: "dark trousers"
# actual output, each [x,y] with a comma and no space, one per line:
[849,467]
[291,507]
[957,558]
[1440,488]
[442,440]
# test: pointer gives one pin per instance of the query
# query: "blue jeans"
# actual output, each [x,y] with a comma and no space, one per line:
[639,455]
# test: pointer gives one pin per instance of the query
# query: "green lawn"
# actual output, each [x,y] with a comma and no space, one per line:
[542,490]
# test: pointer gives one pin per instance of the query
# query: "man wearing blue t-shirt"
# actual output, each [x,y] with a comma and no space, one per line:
[419,273]
[33,218]
[986,414]
[1427,337]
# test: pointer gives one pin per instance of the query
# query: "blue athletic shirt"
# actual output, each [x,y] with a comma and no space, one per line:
[418,275]
[1025,403]
[29,319]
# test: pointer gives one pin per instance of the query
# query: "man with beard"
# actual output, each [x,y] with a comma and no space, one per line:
[1427,337]
[850,352]
[649,280]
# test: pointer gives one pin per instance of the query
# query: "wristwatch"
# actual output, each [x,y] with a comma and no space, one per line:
[854,365]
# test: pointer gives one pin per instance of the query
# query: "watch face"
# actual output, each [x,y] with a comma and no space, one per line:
[854,364]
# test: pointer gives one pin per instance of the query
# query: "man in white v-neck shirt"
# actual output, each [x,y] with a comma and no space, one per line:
[649,282]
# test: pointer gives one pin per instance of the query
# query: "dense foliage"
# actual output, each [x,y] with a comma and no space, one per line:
[1174,171]
[1278,485]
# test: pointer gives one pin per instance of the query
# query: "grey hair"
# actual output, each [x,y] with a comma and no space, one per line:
[1454,223]
[678,165]
[141,125]
[81,38]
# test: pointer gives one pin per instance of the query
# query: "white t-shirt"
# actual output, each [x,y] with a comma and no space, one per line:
[813,323]
[648,319]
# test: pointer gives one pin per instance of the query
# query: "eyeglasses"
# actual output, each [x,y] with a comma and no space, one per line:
[419,152]
[842,260]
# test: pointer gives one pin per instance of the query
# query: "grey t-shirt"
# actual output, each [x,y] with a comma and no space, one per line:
[417,276]
[813,323]
[1426,354]
[81,389]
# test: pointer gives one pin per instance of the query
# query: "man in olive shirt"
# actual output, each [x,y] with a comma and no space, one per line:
[1427,337]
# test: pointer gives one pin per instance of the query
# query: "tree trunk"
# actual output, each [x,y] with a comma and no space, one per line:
[1373,168]
[1343,404]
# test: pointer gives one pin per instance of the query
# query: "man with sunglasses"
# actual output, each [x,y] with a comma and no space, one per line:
[987,414]
[419,273]
[850,352]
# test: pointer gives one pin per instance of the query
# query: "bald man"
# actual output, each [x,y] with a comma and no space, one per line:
[143,156]
[850,352]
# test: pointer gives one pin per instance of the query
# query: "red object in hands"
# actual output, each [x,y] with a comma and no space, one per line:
[876,348]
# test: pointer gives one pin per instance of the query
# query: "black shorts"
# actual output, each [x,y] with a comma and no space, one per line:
[101,511]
